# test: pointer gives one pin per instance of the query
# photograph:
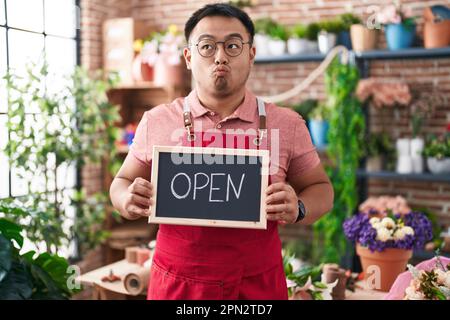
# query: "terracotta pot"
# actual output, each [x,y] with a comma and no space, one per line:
[391,262]
[436,35]
[363,39]
[141,71]
[331,272]
[167,74]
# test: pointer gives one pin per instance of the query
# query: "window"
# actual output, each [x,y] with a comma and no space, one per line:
[30,29]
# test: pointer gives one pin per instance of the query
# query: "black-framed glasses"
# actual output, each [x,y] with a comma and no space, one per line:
[233,47]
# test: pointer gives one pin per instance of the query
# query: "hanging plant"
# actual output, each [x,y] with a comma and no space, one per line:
[345,136]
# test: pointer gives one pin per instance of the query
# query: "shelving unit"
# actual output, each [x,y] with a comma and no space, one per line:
[362,60]
[134,100]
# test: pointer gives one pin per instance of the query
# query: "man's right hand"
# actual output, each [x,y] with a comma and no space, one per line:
[138,199]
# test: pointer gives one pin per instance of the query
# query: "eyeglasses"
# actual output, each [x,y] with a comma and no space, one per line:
[233,47]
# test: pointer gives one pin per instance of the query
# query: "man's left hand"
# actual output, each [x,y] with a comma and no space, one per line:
[281,203]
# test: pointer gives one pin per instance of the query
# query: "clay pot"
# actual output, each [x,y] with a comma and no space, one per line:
[168,74]
[363,39]
[436,35]
[332,272]
[141,71]
[391,262]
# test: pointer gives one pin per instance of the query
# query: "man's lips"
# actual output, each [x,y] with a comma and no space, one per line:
[220,71]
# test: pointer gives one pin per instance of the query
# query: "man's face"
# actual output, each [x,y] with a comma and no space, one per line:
[221,74]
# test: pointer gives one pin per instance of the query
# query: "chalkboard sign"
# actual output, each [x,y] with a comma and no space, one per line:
[209,186]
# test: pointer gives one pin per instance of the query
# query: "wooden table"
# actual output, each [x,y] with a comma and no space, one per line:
[110,290]
[362,293]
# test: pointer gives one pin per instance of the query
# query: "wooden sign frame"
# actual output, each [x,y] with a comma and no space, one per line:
[261,224]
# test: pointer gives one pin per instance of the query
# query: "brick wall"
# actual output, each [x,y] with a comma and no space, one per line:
[273,79]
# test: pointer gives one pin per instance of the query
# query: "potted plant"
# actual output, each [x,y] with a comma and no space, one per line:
[436,29]
[278,37]
[384,242]
[327,36]
[169,65]
[347,20]
[261,39]
[399,26]
[312,31]
[378,150]
[297,42]
[423,106]
[389,94]
[437,151]
[72,137]
[30,275]
[305,282]
[318,124]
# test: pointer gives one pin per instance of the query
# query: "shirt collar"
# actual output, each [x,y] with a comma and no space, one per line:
[246,111]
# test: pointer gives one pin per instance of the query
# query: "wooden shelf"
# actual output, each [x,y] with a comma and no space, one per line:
[410,53]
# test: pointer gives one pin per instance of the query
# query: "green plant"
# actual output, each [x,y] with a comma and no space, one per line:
[300,277]
[331,26]
[321,112]
[298,31]
[278,32]
[345,136]
[377,144]
[312,30]
[437,147]
[264,25]
[30,275]
[71,127]
[348,19]
[305,107]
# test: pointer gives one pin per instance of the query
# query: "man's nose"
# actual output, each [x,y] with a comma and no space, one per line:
[220,55]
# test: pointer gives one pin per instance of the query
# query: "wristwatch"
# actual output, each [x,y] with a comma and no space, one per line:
[301,211]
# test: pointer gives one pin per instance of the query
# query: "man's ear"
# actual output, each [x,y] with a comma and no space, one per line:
[252,53]
[187,57]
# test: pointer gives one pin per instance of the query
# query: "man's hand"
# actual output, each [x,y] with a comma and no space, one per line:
[138,199]
[281,203]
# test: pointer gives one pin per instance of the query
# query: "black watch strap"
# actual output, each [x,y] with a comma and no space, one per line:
[301,211]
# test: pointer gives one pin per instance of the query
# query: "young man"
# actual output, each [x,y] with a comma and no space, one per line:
[224,263]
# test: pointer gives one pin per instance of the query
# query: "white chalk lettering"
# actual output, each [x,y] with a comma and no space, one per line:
[230,182]
[211,188]
[176,195]
[196,184]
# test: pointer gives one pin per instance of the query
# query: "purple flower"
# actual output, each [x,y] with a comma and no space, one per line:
[359,229]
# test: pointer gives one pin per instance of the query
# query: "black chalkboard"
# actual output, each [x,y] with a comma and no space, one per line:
[209,186]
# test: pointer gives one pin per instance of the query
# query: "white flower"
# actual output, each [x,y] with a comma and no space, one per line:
[399,234]
[374,220]
[441,276]
[412,294]
[408,230]
[447,279]
[388,223]
[383,234]
[376,225]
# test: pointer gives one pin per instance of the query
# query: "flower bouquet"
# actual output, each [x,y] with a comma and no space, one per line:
[429,280]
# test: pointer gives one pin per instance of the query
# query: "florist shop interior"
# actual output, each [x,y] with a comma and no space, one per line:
[371,79]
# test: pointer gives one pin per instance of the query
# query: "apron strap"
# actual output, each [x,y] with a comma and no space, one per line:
[188,124]
[187,120]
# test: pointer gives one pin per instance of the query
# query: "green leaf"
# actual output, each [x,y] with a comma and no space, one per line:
[17,284]
[11,231]
[5,257]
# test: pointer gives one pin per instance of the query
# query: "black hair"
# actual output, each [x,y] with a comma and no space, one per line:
[219,9]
